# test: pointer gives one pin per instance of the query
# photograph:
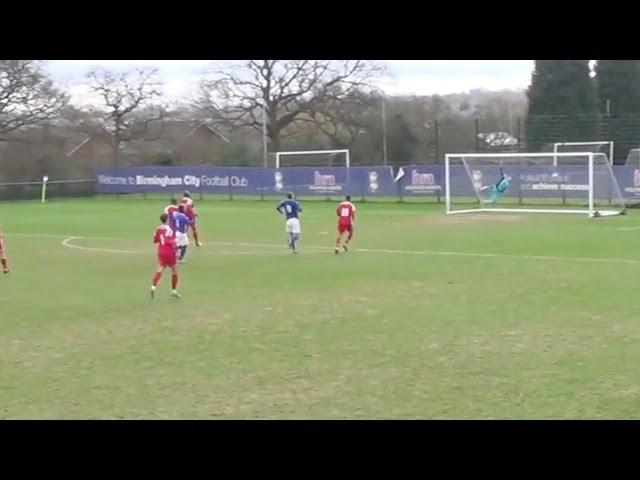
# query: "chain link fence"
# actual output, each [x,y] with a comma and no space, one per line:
[71,176]
[54,189]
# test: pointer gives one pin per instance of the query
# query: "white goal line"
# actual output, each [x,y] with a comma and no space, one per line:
[596,213]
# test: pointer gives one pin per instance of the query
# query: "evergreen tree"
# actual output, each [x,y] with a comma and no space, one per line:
[562,87]
[565,94]
[619,83]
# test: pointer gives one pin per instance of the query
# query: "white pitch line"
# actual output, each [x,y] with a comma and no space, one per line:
[312,249]
[501,255]
[246,244]
[460,254]
[283,252]
[268,245]
[67,243]
[47,235]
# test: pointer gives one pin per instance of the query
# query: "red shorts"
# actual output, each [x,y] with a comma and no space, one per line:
[167,259]
[193,219]
[345,227]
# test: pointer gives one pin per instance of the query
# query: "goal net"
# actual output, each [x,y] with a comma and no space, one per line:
[320,172]
[633,158]
[604,147]
[313,158]
[568,182]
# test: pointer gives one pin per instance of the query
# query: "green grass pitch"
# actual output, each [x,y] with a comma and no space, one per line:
[429,316]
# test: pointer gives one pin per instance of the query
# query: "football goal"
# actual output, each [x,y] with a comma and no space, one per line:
[560,182]
[605,147]
[633,158]
[313,158]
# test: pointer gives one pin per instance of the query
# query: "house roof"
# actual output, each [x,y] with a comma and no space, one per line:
[100,133]
[162,137]
[216,132]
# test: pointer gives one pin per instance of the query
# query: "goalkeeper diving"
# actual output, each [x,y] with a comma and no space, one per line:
[499,188]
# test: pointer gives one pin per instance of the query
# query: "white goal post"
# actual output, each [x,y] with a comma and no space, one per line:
[559,182]
[314,152]
[559,145]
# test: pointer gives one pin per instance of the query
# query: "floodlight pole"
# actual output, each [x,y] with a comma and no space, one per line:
[264,134]
[384,132]
[447,186]
[591,211]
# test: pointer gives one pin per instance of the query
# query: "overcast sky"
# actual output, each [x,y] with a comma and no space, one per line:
[422,77]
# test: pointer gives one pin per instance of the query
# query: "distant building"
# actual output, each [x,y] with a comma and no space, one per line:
[172,142]
[498,139]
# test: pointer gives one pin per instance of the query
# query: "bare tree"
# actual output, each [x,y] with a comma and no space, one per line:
[342,119]
[27,96]
[129,103]
[287,90]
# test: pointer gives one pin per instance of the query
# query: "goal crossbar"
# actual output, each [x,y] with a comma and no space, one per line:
[518,155]
[313,152]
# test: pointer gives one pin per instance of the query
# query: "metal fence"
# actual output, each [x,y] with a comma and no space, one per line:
[534,134]
[408,183]
[54,189]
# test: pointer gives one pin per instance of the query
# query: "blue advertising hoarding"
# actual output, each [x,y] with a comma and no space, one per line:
[568,181]
[333,181]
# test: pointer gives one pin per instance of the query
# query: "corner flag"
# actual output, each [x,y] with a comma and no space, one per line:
[399,175]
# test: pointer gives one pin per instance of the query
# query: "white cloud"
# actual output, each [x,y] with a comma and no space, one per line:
[428,77]
[179,77]
[422,77]
[425,84]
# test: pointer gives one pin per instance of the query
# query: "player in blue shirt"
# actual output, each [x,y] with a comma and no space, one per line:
[181,223]
[291,209]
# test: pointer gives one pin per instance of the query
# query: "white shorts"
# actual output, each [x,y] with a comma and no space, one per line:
[293,226]
[182,239]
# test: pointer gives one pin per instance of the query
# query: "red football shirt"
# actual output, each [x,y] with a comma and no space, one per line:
[346,213]
[189,208]
[165,239]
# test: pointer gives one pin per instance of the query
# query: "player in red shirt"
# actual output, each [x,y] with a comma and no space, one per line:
[170,210]
[166,240]
[3,255]
[190,211]
[346,217]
